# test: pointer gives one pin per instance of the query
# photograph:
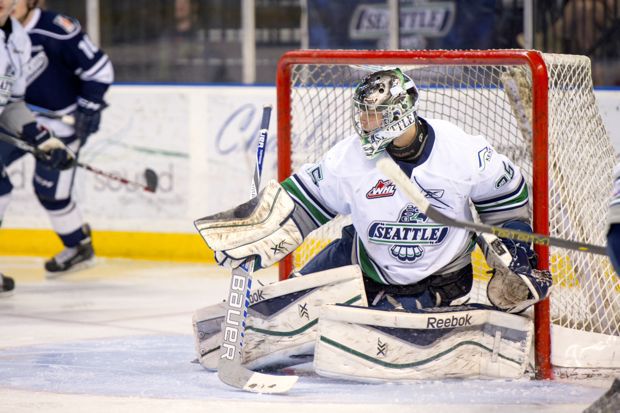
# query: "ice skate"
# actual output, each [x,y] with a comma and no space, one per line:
[7,285]
[72,258]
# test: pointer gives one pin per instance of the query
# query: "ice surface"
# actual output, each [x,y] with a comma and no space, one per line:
[118,336]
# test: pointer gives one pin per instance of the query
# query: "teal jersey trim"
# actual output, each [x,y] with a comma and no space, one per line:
[415,363]
[521,198]
[299,195]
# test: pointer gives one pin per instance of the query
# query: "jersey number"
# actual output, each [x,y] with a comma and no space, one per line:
[507,177]
[87,46]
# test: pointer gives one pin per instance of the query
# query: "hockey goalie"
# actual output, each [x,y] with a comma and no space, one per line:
[385,300]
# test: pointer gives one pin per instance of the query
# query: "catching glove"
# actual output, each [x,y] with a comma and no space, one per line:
[268,228]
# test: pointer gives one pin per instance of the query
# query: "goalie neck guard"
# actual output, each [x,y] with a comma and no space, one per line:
[383,109]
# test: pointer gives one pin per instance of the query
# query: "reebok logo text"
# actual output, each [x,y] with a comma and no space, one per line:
[454,321]
[257,296]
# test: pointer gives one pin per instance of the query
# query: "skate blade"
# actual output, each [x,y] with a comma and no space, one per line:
[77,267]
[4,294]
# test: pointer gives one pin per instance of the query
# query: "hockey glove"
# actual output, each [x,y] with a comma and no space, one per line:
[518,285]
[87,118]
[226,261]
[51,150]
[268,228]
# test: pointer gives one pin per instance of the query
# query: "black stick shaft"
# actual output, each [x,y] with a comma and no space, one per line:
[402,182]
[12,140]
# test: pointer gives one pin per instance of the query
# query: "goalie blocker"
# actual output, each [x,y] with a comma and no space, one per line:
[282,318]
[445,342]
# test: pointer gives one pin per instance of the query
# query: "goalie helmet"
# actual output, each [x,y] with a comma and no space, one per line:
[384,107]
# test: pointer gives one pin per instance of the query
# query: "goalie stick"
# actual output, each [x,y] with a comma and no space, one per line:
[387,166]
[229,367]
[149,175]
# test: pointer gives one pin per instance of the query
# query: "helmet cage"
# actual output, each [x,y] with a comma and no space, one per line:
[383,108]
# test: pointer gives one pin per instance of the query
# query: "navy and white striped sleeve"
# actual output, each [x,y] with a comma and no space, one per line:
[90,64]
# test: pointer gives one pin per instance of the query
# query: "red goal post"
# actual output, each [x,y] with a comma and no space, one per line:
[311,81]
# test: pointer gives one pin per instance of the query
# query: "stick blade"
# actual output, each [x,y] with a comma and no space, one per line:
[238,376]
[151,180]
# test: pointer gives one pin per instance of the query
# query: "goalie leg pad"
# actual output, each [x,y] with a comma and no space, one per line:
[282,318]
[474,341]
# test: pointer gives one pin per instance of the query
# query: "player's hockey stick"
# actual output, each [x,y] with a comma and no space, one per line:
[149,175]
[229,367]
[66,119]
[387,166]
[46,113]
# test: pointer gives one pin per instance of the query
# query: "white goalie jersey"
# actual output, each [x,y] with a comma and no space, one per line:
[395,242]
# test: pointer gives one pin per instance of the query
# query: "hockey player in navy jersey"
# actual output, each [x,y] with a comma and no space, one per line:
[407,260]
[15,118]
[67,74]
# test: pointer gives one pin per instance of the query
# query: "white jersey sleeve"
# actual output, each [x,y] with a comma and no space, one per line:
[317,187]
[500,193]
[14,55]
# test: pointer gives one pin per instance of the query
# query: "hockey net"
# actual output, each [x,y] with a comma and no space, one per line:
[540,111]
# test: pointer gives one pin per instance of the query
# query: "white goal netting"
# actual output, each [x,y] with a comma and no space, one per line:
[494,100]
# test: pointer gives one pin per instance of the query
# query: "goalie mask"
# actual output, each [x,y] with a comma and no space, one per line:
[383,109]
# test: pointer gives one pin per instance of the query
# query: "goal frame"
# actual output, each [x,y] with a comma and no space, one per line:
[540,149]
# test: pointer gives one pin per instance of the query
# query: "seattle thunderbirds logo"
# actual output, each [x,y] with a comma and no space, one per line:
[409,235]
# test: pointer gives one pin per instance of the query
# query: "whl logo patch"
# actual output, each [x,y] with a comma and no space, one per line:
[408,235]
[382,189]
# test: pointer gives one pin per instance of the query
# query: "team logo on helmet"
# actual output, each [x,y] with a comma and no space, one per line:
[408,236]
